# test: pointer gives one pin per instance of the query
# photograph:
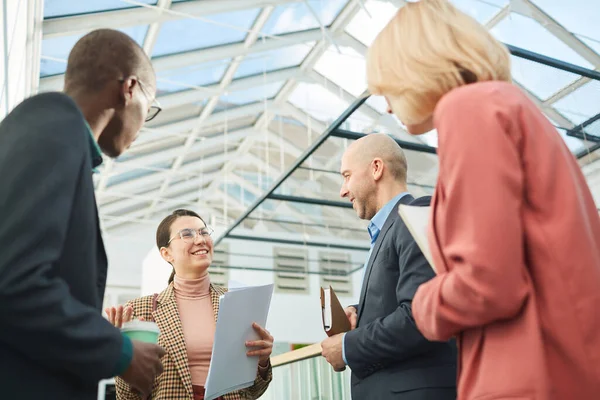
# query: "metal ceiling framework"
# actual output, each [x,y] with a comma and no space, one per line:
[199,146]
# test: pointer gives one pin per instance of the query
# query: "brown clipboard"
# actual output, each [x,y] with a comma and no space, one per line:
[339,320]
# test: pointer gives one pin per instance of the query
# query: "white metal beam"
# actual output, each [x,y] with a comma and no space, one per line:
[72,25]
[223,52]
[154,28]
[19,41]
[212,103]
[214,119]
[130,200]
[206,146]
[198,95]
[192,169]
[526,7]
[338,26]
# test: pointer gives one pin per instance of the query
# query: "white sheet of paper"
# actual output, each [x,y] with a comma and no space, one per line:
[416,220]
[235,285]
[230,368]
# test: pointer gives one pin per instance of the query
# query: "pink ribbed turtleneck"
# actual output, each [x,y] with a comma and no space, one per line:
[198,321]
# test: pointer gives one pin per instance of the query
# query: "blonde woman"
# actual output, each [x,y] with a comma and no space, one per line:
[185,313]
[514,231]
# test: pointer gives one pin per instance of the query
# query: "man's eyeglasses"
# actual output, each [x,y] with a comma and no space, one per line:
[189,235]
[155,107]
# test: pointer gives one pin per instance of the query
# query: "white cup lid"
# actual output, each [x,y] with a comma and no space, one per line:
[137,325]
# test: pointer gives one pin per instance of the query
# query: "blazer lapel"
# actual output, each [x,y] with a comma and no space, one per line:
[166,317]
[386,227]
[215,295]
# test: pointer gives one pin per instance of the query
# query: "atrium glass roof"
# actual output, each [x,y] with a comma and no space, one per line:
[247,86]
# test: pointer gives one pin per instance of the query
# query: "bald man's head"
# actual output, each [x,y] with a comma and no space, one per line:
[103,56]
[379,145]
[374,168]
[112,80]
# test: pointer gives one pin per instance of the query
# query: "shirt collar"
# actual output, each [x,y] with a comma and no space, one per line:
[382,215]
[94,149]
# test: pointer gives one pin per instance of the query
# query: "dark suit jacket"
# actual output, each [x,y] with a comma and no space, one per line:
[54,342]
[387,354]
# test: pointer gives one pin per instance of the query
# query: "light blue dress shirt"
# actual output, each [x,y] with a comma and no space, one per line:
[374,228]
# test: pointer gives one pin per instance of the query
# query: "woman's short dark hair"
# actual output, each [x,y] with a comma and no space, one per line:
[163,232]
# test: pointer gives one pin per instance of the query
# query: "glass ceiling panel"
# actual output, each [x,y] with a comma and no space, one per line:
[364,27]
[182,35]
[593,43]
[482,11]
[318,102]
[577,16]
[526,33]
[582,104]
[55,51]
[299,17]
[539,79]
[63,8]
[574,144]
[347,69]
[248,96]
[272,60]
[192,77]
[378,103]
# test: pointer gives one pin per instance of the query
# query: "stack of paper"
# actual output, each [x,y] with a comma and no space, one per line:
[416,220]
[230,368]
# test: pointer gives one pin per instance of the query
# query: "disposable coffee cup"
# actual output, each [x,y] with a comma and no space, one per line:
[144,331]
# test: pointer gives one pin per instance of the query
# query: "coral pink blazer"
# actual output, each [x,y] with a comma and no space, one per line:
[515,236]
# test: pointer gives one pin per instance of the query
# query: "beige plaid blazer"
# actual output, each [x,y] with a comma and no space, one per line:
[176,381]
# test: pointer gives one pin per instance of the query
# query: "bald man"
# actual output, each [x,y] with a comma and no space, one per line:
[54,342]
[389,357]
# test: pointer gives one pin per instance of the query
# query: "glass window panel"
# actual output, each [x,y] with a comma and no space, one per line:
[62,8]
[365,28]
[182,35]
[247,96]
[318,102]
[482,11]
[526,33]
[273,60]
[327,10]
[541,80]
[378,103]
[347,69]
[574,144]
[325,106]
[298,17]
[55,51]
[582,104]
[175,80]
[592,43]
[578,16]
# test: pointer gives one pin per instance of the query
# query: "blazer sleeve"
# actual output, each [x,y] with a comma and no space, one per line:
[259,387]
[481,176]
[39,317]
[395,337]
[124,391]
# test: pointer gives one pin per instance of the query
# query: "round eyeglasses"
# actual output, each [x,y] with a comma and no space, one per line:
[189,235]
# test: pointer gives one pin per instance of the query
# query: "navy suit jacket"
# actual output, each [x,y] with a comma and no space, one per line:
[388,355]
[54,342]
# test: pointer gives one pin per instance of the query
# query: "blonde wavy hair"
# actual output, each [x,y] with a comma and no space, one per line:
[428,49]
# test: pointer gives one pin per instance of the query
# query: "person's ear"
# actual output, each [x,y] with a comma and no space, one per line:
[166,254]
[126,90]
[377,168]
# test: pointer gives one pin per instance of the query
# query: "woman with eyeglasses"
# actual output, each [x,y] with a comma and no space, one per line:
[185,313]
[514,231]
